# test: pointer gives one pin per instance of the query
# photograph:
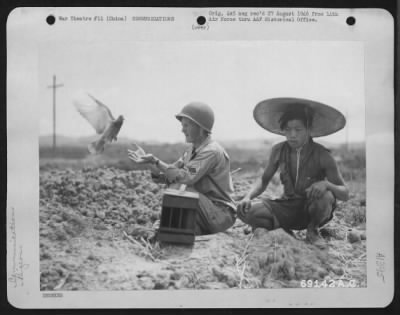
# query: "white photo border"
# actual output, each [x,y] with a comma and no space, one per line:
[26,29]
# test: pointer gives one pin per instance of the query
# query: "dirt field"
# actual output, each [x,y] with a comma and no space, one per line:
[95,229]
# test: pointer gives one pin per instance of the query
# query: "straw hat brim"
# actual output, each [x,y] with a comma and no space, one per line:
[326,120]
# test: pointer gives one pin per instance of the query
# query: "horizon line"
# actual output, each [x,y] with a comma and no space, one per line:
[269,139]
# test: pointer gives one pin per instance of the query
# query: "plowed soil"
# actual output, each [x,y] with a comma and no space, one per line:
[96,234]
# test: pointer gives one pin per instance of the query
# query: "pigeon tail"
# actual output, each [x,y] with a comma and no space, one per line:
[96,147]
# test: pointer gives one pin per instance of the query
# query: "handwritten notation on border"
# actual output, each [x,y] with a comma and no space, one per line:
[380,266]
[18,266]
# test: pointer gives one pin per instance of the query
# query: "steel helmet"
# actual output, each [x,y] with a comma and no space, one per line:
[199,113]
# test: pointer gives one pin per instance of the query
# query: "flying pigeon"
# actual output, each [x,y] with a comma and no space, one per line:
[100,117]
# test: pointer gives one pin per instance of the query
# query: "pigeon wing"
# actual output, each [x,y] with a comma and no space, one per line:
[102,105]
[99,116]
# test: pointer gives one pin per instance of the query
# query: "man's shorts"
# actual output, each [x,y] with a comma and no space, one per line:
[292,214]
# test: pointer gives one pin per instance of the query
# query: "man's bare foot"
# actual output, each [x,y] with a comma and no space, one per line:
[315,238]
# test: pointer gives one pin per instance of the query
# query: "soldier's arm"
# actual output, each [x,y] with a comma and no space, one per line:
[334,179]
[159,165]
[194,170]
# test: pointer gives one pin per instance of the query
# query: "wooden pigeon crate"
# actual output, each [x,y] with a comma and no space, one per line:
[178,216]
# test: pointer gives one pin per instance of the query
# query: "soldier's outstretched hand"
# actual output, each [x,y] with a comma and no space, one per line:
[142,159]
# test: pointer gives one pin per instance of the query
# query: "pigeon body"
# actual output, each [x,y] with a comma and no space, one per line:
[109,135]
[102,120]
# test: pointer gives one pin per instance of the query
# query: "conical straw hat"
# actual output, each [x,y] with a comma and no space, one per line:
[325,119]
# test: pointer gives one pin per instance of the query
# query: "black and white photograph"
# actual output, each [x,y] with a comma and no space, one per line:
[203,164]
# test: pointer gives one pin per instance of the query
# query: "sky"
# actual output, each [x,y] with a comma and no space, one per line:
[148,82]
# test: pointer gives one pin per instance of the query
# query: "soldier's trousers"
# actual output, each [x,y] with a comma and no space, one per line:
[213,217]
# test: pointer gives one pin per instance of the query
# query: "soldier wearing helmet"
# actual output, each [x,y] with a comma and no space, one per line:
[204,167]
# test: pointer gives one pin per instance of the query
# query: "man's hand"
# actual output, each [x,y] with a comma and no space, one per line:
[243,206]
[138,155]
[143,159]
[317,190]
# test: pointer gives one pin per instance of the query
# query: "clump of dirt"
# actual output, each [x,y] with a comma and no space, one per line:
[104,196]
[96,229]
[278,259]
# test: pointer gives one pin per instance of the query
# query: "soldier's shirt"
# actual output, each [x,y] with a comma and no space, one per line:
[192,169]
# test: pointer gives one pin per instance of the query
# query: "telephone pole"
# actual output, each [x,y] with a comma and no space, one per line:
[54,87]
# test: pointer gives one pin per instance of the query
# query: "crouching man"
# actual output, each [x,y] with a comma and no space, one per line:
[204,168]
[309,174]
